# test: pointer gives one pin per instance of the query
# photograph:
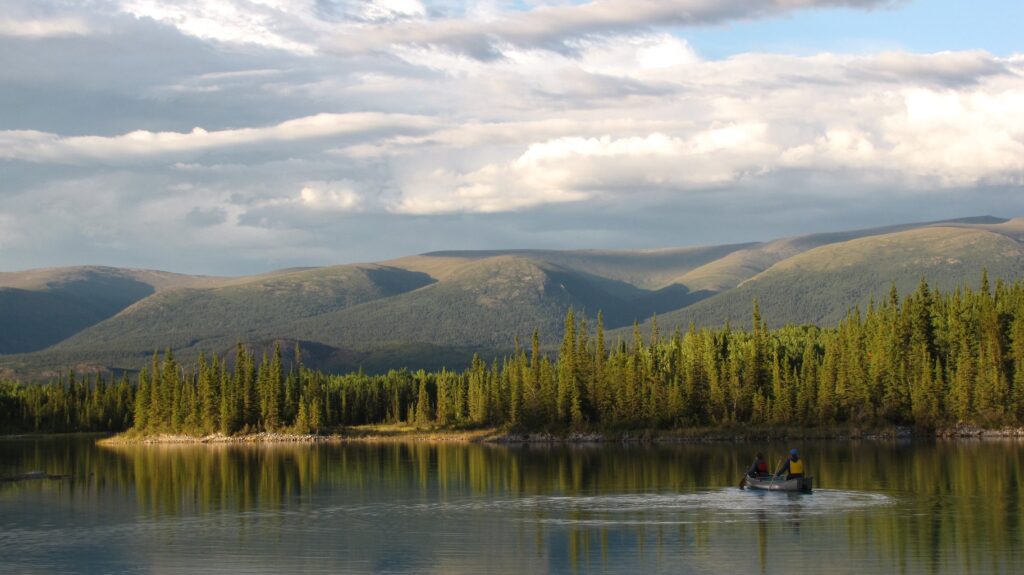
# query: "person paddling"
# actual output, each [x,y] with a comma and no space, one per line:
[793,467]
[758,467]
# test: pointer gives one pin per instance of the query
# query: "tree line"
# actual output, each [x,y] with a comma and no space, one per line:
[69,404]
[928,359]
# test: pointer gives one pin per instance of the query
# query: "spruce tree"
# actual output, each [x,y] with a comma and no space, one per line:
[142,396]
[301,420]
[316,414]
[1017,337]
[423,412]
[229,413]
[568,395]
[156,396]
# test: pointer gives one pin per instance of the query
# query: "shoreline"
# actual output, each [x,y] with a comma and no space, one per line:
[352,435]
[53,435]
[402,434]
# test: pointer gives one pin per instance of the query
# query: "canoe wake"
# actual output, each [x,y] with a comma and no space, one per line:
[720,505]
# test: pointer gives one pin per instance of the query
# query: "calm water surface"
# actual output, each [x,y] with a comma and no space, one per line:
[948,507]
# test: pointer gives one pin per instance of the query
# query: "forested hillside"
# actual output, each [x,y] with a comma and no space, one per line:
[820,285]
[442,308]
[39,308]
[929,359]
[215,318]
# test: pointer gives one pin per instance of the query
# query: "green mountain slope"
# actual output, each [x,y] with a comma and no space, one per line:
[485,304]
[371,315]
[650,269]
[736,267]
[215,318]
[39,308]
[820,285]
[437,309]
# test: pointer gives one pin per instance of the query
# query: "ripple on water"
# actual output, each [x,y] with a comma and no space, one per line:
[728,504]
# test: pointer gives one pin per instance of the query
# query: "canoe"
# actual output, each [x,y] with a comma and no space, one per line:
[803,484]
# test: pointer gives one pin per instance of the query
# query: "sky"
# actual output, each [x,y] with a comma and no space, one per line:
[239,136]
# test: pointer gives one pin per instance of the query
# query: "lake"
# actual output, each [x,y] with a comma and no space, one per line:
[878,507]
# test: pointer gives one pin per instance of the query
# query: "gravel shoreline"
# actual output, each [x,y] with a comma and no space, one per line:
[506,438]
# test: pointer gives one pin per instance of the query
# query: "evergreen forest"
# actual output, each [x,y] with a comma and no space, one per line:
[928,359]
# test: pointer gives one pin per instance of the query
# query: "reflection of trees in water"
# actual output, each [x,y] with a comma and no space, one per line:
[762,539]
[954,501]
[964,499]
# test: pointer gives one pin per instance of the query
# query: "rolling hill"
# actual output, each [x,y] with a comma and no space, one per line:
[39,308]
[439,308]
[518,293]
[820,285]
[215,318]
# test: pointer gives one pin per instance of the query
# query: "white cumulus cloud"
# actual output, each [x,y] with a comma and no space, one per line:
[348,128]
[329,196]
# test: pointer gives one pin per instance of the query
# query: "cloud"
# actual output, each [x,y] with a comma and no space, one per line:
[370,25]
[640,56]
[730,123]
[34,146]
[389,10]
[491,124]
[489,189]
[575,168]
[219,81]
[268,24]
[296,27]
[204,218]
[960,137]
[552,26]
[328,196]
[307,206]
[950,69]
[43,27]
[689,125]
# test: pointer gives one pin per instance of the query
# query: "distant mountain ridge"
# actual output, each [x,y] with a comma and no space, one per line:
[439,308]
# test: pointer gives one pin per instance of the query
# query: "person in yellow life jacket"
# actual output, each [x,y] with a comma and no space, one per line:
[793,467]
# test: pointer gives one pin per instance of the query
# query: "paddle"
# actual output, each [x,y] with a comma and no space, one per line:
[777,469]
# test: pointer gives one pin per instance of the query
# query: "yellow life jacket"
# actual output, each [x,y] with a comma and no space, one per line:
[796,467]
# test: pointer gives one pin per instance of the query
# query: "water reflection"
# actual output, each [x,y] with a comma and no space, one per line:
[914,507]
